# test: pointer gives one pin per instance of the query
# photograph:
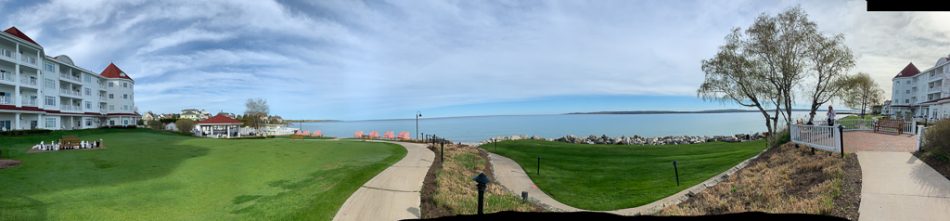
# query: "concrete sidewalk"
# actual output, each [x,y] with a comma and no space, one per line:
[898,186]
[393,194]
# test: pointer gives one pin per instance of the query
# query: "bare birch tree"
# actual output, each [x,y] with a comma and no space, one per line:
[830,59]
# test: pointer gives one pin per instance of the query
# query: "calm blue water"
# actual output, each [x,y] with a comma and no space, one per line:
[477,129]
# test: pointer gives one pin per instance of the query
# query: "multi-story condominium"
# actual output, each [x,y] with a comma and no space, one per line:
[922,94]
[42,92]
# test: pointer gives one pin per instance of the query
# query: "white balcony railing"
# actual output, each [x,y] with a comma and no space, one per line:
[6,76]
[28,102]
[28,81]
[8,54]
[69,92]
[6,100]
[28,59]
[69,77]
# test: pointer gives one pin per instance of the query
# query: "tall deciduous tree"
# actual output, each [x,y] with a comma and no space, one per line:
[830,59]
[255,110]
[862,92]
[763,65]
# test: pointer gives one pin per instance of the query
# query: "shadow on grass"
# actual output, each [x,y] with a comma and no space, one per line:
[129,155]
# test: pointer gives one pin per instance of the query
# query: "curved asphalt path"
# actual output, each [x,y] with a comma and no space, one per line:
[393,194]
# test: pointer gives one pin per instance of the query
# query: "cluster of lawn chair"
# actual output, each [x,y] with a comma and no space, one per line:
[388,135]
[67,143]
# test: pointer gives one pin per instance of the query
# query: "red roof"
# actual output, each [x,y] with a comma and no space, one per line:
[908,71]
[220,119]
[19,34]
[113,71]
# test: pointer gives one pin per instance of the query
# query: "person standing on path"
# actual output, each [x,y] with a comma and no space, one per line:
[831,116]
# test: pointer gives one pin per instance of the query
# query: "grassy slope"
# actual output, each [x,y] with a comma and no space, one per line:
[784,180]
[456,191]
[608,177]
[152,175]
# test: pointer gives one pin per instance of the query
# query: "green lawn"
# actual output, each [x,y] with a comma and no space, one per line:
[608,177]
[145,175]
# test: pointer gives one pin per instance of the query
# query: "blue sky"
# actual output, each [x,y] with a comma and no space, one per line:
[386,59]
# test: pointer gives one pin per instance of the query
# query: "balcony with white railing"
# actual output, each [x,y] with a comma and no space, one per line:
[70,77]
[26,81]
[27,59]
[71,108]
[63,91]
[7,55]
[7,77]
[6,100]
[26,101]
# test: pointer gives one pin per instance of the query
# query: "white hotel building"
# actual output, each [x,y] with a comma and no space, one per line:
[42,92]
[922,94]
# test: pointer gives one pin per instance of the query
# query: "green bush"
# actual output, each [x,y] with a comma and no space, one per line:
[783,137]
[185,125]
[155,125]
[937,139]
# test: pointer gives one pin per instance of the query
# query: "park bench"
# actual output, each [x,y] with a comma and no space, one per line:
[69,142]
[889,123]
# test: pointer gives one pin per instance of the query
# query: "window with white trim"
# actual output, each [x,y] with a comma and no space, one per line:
[50,101]
[50,122]
[49,83]
[88,91]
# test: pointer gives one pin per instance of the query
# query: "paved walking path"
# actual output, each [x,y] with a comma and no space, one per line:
[898,186]
[510,175]
[393,194]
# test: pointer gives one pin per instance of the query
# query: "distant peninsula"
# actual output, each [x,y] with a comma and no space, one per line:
[309,121]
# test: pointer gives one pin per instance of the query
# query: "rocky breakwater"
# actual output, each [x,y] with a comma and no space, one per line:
[637,139]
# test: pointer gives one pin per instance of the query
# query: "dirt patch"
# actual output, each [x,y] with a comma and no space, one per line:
[785,179]
[8,163]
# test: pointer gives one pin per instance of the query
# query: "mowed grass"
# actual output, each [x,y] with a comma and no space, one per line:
[609,177]
[146,175]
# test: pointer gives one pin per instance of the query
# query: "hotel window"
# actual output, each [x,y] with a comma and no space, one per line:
[4,125]
[111,84]
[88,105]
[88,122]
[50,122]
[111,107]
[125,96]
[907,92]
[110,96]
[50,101]
[88,91]
[49,67]
[125,122]
[50,83]
[125,84]
[125,107]
[906,101]
[87,79]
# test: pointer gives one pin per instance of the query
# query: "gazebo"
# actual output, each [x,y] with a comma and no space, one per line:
[219,126]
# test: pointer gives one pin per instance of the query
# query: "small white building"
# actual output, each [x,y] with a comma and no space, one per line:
[218,126]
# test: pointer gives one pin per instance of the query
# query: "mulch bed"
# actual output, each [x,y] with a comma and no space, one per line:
[8,163]
[846,204]
[429,208]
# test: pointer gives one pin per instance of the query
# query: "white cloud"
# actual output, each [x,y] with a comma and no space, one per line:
[331,59]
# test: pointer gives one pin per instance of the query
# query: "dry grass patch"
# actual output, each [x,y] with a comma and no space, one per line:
[785,179]
[455,192]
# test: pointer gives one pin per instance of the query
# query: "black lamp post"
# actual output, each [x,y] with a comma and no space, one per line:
[482,181]
[418,115]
